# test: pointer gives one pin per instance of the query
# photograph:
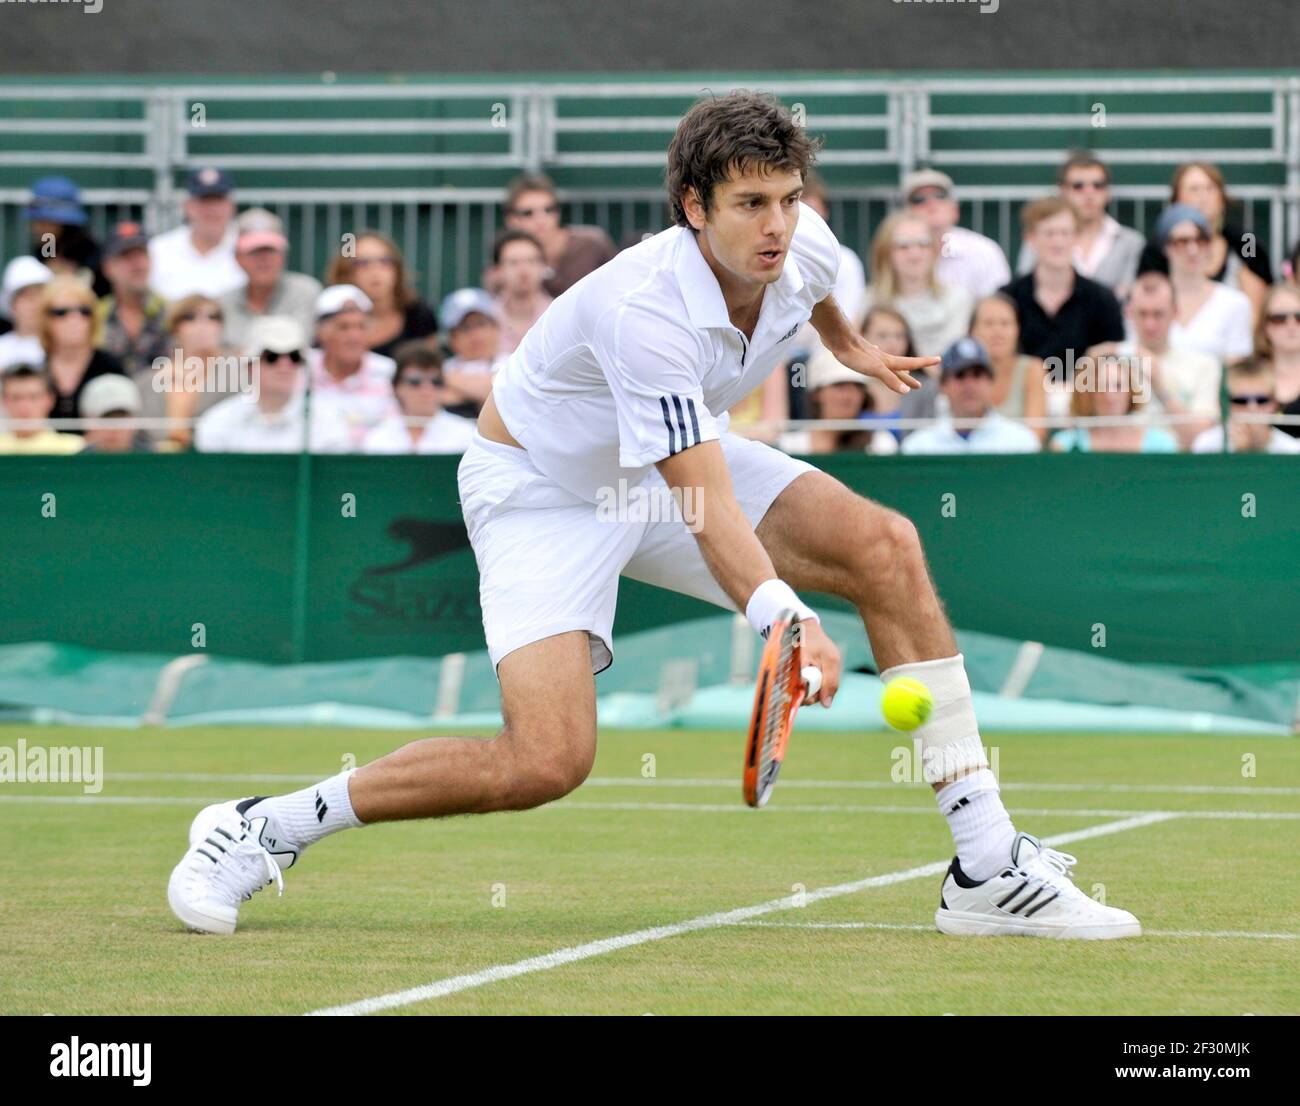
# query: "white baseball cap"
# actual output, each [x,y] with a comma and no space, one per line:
[110,392]
[21,272]
[339,297]
[277,333]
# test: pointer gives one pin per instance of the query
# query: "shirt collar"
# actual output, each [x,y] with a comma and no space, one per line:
[702,293]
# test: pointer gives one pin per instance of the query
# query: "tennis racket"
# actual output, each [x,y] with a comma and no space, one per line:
[784,685]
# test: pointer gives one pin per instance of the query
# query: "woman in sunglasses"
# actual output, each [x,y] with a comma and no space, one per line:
[1277,341]
[378,269]
[193,377]
[1232,256]
[67,329]
[1211,317]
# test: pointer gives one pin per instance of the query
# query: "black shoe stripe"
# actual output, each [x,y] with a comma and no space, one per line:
[1013,894]
[215,844]
[1030,913]
[1025,902]
[209,856]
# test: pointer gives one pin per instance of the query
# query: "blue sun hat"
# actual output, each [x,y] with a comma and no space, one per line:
[1180,213]
[56,200]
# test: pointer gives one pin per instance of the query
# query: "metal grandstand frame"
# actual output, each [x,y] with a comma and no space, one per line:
[596,136]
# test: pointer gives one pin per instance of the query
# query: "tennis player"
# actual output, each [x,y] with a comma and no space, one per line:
[628,377]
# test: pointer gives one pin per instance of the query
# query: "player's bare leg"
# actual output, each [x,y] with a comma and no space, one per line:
[823,537]
[544,750]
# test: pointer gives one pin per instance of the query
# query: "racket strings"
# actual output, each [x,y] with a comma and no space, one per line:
[778,704]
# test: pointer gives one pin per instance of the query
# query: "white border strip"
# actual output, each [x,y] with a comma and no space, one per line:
[560,957]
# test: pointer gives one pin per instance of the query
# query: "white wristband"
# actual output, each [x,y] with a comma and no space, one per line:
[770,598]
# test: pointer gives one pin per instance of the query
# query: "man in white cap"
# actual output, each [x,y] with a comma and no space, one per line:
[113,396]
[345,374]
[261,250]
[837,394]
[470,318]
[270,419]
[966,259]
[20,304]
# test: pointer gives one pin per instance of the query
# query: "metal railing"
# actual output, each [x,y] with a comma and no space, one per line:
[426,161]
[165,424]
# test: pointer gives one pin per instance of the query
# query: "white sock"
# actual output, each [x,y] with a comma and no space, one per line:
[981,827]
[304,817]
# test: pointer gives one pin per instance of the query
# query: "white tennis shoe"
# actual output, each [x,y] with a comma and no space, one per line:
[225,865]
[1032,897]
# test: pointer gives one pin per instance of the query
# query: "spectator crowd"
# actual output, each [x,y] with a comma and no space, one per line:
[1101,339]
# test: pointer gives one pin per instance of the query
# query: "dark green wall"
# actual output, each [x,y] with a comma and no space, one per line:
[141,548]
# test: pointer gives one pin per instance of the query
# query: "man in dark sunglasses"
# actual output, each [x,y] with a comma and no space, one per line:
[423,426]
[1104,250]
[571,252]
[967,259]
[1250,387]
[269,418]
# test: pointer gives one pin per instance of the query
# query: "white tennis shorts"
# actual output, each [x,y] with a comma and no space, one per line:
[549,562]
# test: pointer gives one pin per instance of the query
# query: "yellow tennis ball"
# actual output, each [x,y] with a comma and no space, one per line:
[906,703]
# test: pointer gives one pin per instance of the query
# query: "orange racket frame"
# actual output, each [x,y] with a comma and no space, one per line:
[780,693]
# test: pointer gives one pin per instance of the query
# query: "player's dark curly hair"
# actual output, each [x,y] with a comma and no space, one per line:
[736,132]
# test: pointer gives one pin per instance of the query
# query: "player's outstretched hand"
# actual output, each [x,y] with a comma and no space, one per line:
[893,371]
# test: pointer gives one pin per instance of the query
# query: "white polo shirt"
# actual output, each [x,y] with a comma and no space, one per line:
[640,360]
[444,433]
[239,425]
[971,261]
[177,269]
[995,434]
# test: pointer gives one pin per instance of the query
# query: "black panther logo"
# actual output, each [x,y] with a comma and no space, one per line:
[426,539]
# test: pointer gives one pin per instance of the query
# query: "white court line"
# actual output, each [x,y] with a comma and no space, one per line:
[715,808]
[1228,934]
[730,784]
[560,957]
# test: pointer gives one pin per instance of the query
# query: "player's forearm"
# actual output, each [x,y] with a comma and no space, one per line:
[701,484]
[832,326]
[733,553]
